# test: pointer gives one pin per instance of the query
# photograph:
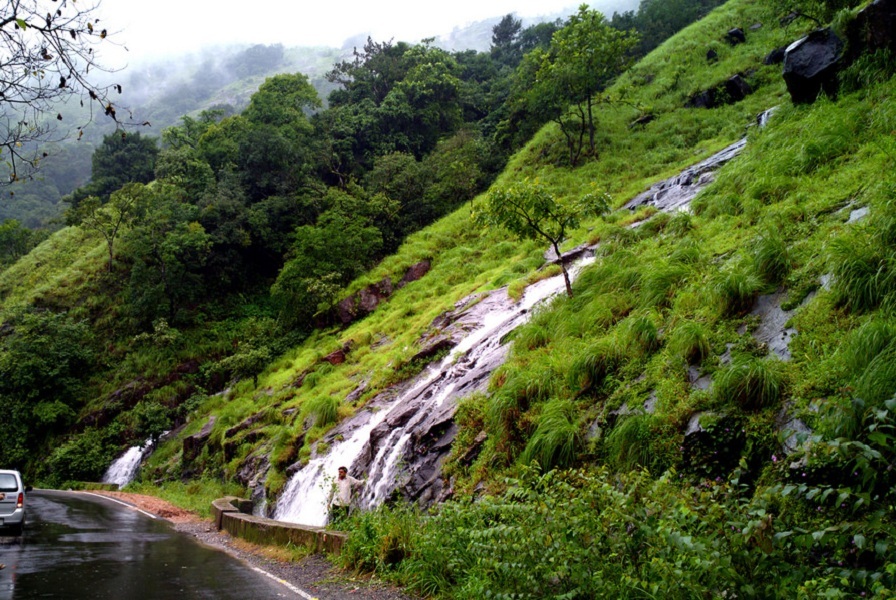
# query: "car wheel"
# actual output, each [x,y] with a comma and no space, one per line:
[17,530]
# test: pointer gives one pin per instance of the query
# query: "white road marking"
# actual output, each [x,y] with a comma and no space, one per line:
[150,515]
[285,583]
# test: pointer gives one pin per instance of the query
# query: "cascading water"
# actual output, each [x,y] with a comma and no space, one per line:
[465,369]
[124,468]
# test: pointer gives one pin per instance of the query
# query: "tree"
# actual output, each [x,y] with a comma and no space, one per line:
[108,220]
[120,159]
[48,51]
[584,57]
[505,46]
[530,211]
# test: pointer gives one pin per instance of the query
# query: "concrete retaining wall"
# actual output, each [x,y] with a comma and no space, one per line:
[231,515]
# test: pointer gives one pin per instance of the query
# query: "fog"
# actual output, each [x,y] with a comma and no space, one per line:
[170,27]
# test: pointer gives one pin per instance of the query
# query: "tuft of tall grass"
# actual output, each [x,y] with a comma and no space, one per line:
[592,366]
[877,383]
[320,410]
[640,335]
[771,256]
[628,445]
[864,271]
[556,439]
[736,288]
[659,284]
[690,341]
[863,345]
[751,383]
[680,224]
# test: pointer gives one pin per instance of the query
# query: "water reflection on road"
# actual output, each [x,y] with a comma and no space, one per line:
[78,547]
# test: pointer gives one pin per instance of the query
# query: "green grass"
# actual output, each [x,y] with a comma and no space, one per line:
[751,383]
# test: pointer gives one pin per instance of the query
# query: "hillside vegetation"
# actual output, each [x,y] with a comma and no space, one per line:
[640,441]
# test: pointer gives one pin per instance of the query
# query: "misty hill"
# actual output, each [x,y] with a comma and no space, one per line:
[709,413]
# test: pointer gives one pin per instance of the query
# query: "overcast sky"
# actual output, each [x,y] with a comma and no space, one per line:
[164,27]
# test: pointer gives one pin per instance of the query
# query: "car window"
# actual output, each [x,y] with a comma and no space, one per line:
[8,483]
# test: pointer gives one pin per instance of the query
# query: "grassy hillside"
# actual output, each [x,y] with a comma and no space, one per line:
[669,424]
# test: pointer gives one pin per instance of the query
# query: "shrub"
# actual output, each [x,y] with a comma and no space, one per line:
[750,382]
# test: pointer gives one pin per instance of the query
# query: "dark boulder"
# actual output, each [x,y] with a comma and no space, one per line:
[712,55]
[415,272]
[704,99]
[736,89]
[775,57]
[873,29]
[735,36]
[811,65]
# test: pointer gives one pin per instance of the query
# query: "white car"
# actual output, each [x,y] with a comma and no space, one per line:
[12,501]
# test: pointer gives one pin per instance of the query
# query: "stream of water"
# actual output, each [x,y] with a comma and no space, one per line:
[464,369]
[124,468]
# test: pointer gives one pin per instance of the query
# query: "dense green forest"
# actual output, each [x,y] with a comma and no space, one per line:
[197,284]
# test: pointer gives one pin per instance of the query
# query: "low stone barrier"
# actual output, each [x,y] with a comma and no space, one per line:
[232,515]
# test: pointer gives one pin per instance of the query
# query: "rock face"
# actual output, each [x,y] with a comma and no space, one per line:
[811,64]
[193,444]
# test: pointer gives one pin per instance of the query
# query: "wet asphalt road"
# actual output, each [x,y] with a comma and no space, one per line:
[78,547]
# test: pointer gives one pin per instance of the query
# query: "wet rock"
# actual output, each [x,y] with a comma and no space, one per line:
[795,430]
[337,357]
[737,88]
[356,393]
[811,65]
[576,253]
[735,36]
[788,18]
[244,425]
[755,26]
[433,347]
[676,192]
[772,330]
[415,272]
[474,449]
[697,380]
[711,55]
[873,29]
[858,214]
[231,447]
[193,444]
[775,57]
[704,99]
[642,121]
[363,302]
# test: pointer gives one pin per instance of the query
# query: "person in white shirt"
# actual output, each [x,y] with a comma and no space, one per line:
[341,495]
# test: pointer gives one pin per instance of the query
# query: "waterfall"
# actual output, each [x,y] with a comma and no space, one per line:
[389,440]
[465,369]
[124,468]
